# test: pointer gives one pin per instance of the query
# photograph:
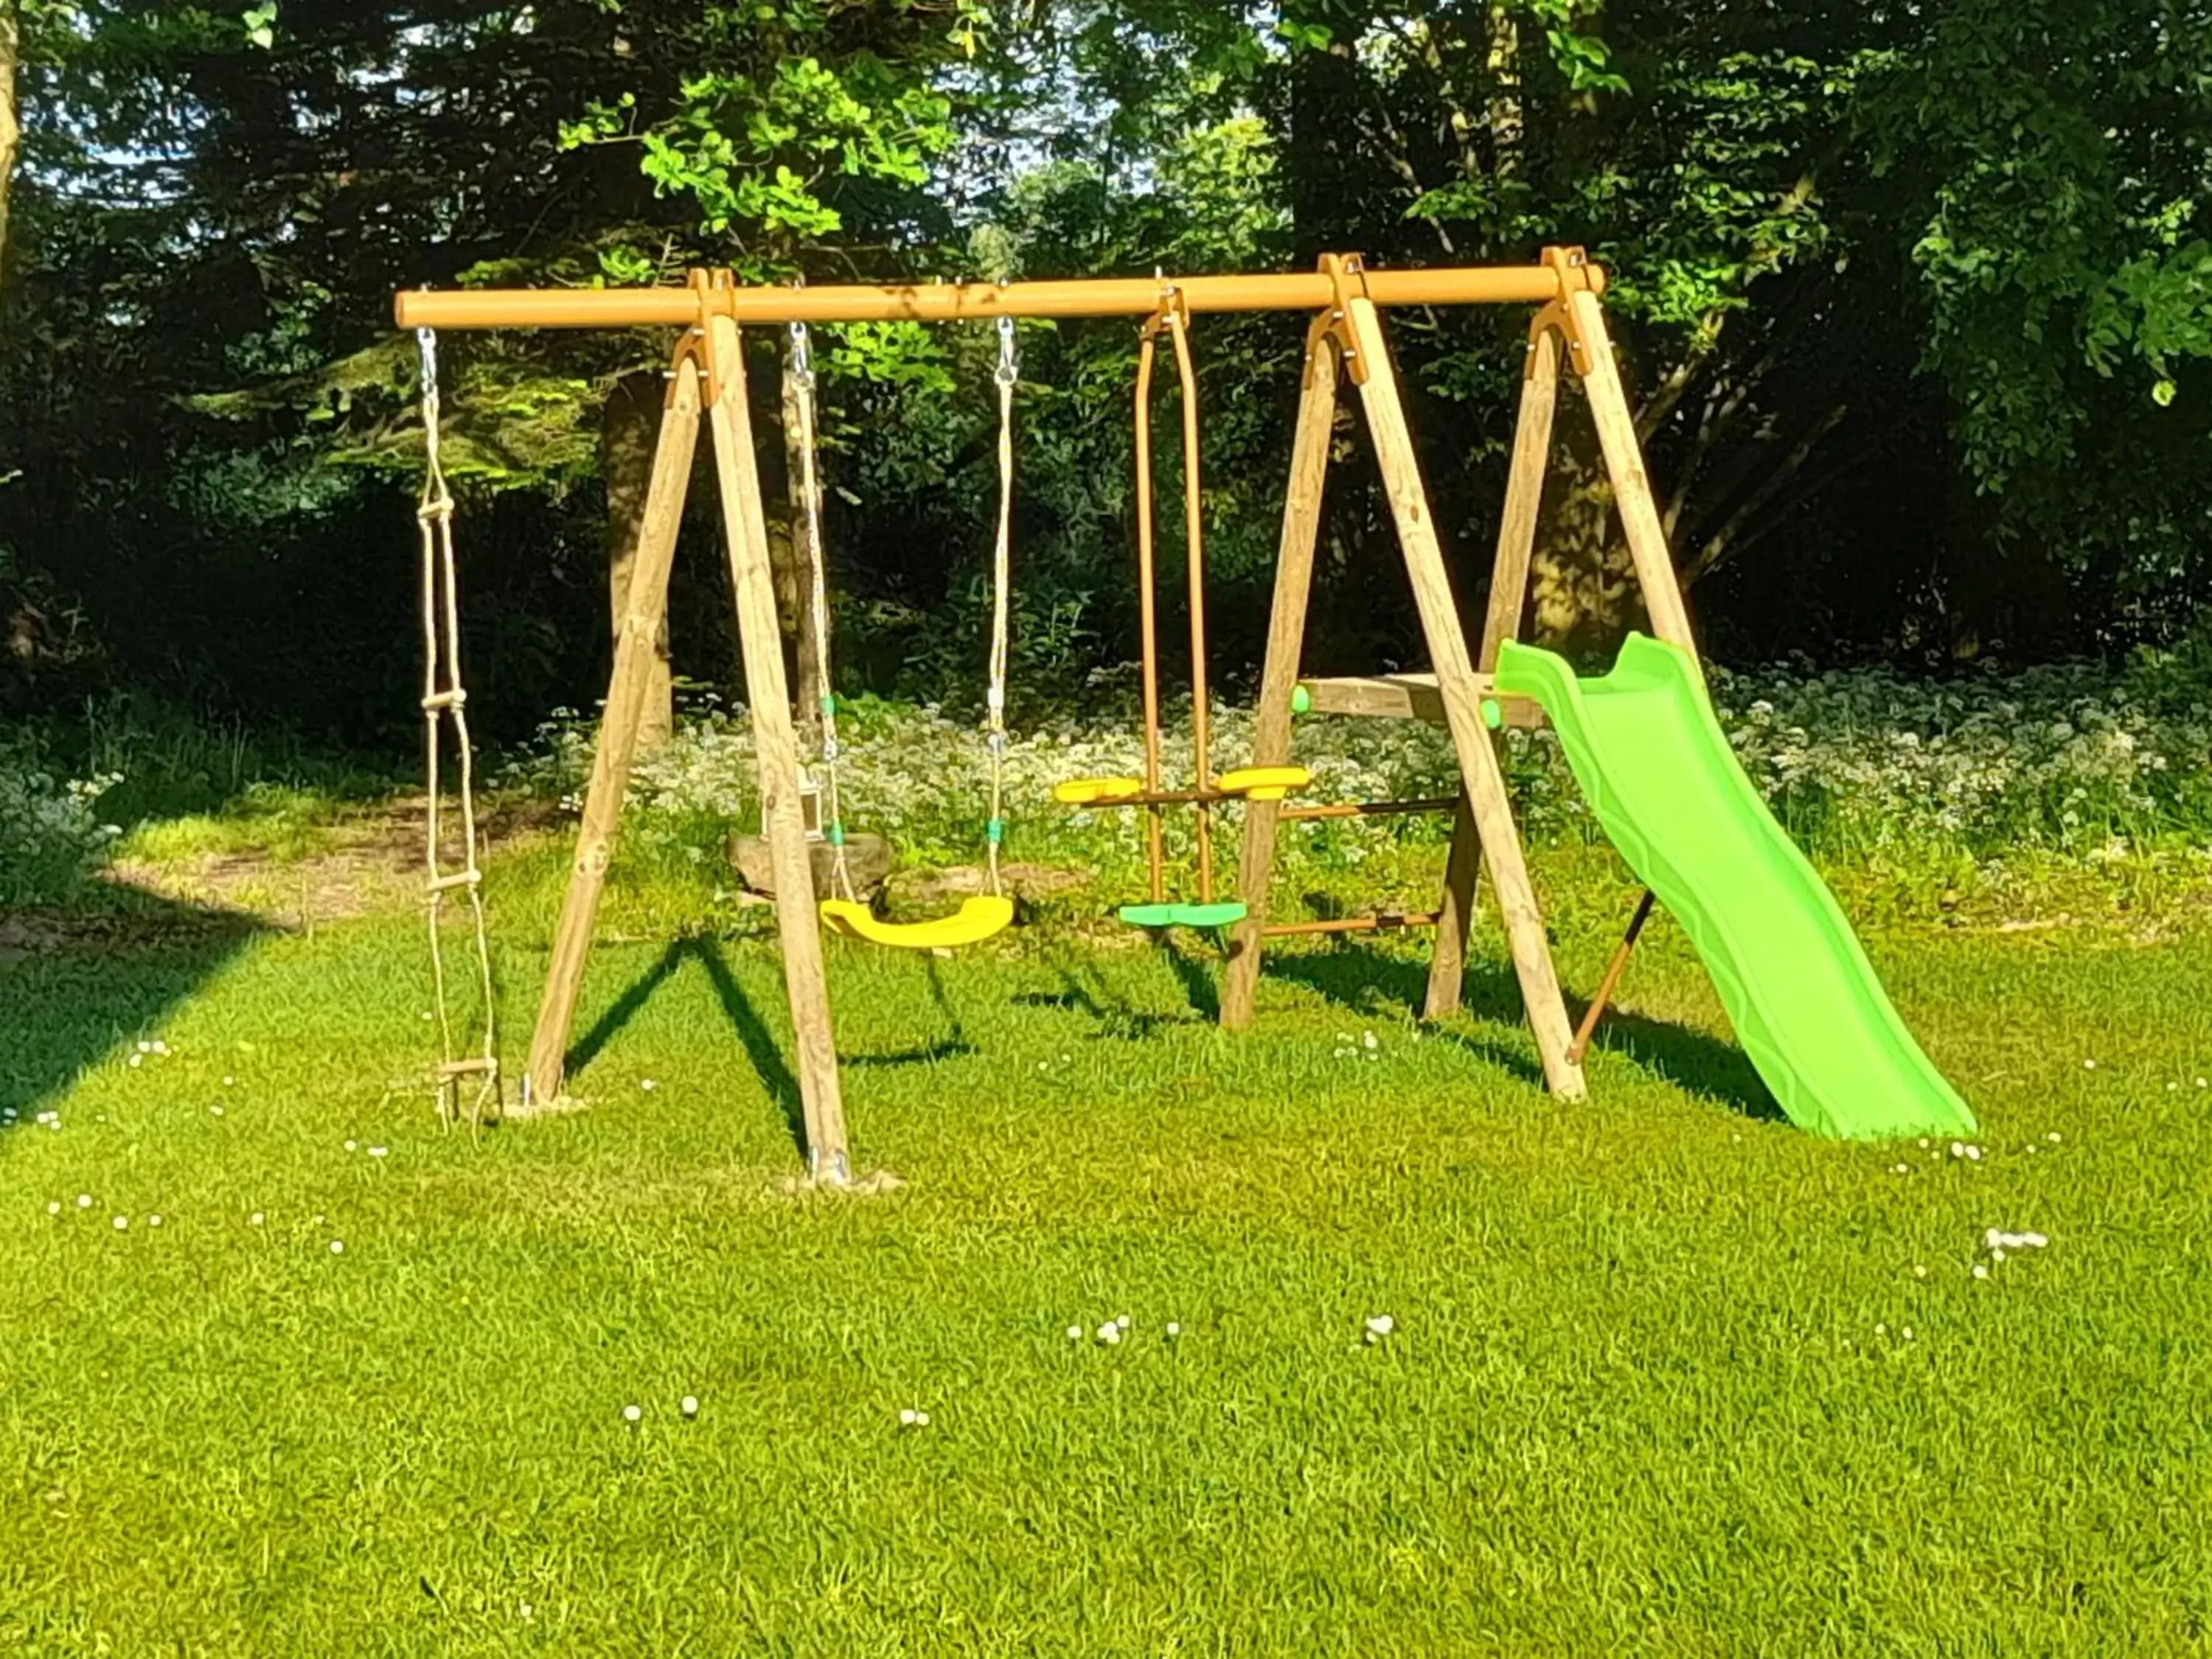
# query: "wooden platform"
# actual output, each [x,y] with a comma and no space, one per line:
[1404,697]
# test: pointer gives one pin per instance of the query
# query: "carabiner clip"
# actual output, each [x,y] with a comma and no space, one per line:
[802,355]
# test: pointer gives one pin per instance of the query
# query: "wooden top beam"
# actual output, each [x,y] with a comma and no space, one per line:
[712,295]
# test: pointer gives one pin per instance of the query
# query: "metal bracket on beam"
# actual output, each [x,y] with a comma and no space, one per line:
[1571,266]
[1347,279]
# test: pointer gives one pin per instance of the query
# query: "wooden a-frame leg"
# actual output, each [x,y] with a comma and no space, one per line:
[1508,597]
[1631,484]
[645,604]
[1279,678]
[776,748]
[1484,781]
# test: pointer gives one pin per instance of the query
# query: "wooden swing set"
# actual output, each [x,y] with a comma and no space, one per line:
[1346,341]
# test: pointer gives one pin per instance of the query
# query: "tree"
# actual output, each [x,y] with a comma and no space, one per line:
[11,130]
[799,134]
[2043,164]
[240,201]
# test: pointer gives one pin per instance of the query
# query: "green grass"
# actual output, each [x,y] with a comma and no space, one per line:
[1649,1390]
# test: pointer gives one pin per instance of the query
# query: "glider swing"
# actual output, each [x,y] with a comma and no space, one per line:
[979,917]
[1149,792]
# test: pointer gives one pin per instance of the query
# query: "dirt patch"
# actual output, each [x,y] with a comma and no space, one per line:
[363,866]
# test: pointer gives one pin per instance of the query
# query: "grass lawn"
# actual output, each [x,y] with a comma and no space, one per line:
[1666,1375]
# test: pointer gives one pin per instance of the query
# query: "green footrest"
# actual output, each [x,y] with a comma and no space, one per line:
[1183,916]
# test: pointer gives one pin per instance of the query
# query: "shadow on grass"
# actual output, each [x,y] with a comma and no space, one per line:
[74,985]
[1083,990]
[625,1007]
[1199,975]
[1691,1060]
[953,1045]
[1356,977]
[760,1044]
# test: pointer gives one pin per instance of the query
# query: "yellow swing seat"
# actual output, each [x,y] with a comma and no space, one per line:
[975,920]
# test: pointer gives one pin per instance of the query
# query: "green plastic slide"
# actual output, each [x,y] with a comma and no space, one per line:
[1659,774]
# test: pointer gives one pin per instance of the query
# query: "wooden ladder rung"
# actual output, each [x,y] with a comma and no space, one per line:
[444,700]
[469,1069]
[463,878]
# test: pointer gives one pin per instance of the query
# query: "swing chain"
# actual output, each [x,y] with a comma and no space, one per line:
[798,373]
[1008,376]
[445,698]
[802,358]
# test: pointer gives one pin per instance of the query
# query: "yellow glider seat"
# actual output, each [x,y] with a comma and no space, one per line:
[1264,782]
[1251,782]
[1096,791]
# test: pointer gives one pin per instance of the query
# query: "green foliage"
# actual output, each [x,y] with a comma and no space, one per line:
[1892,288]
[53,835]
[2051,159]
[790,117]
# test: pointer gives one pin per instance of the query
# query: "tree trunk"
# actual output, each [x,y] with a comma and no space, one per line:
[628,434]
[11,131]
[1582,579]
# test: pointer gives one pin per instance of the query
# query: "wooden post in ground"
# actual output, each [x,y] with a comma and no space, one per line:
[1484,781]
[636,647]
[1624,461]
[1279,678]
[1509,597]
[745,527]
